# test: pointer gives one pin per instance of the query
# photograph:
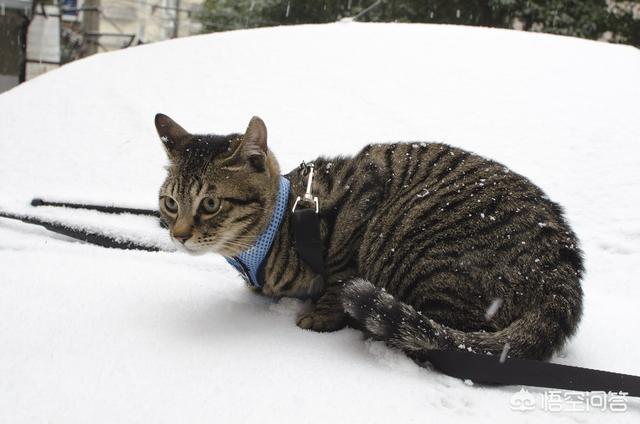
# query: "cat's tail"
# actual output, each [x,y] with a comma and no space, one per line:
[535,335]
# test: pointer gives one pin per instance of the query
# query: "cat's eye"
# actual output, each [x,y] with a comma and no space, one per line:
[210,205]
[170,204]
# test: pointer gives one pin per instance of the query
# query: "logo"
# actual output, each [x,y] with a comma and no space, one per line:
[523,401]
[569,401]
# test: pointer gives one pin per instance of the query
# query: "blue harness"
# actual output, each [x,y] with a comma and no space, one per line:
[249,263]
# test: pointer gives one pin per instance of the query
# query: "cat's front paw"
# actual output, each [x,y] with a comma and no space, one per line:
[322,321]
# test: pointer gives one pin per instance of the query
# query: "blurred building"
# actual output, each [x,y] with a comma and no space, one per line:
[114,24]
[40,35]
[15,17]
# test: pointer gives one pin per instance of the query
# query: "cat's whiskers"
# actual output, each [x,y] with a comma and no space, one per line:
[244,238]
[232,240]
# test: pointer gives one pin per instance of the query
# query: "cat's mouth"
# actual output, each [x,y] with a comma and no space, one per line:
[197,248]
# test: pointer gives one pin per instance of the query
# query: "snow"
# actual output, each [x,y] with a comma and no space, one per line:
[98,335]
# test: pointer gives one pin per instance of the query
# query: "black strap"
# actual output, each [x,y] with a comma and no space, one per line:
[483,369]
[486,369]
[83,234]
[306,234]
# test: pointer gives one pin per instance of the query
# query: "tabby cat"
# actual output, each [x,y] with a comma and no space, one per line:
[420,240]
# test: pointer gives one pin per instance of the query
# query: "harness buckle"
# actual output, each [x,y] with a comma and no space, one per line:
[307,168]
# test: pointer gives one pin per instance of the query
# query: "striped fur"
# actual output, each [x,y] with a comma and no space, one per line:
[420,240]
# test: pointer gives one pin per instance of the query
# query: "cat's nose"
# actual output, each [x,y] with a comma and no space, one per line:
[182,235]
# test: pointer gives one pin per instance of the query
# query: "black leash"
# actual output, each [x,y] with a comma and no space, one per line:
[479,368]
[83,234]
[487,369]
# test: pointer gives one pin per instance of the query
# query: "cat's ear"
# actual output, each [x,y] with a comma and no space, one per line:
[173,136]
[254,143]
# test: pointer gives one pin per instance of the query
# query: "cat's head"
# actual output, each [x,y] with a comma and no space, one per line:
[220,190]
